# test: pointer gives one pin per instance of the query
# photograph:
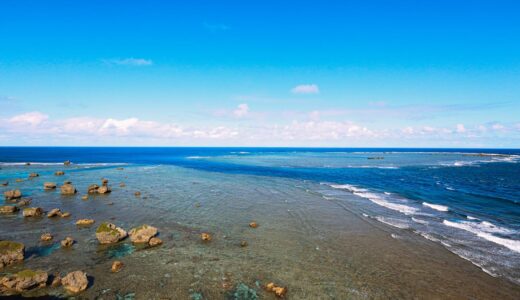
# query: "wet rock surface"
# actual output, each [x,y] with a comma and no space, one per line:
[11,252]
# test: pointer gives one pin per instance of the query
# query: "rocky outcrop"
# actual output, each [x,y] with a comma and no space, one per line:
[32,212]
[85,222]
[75,282]
[49,186]
[92,189]
[46,237]
[155,241]
[56,212]
[10,252]
[142,234]
[8,209]
[68,189]
[24,281]
[67,242]
[33,175]
[24,202]
[116,266]
[12,194]
[253,225]
[137,194]
[59,173]
[104,190]
[108,233]
[205,236]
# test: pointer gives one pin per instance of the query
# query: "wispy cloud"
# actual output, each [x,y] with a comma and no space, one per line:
[306,89]
[241,111]
[216,27]
[137,62]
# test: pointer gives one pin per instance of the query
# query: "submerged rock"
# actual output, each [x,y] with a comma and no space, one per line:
[24,202]
[92,189]
[33,175]
[104,190]
[108,233]
[19,180]
[4,183]
[68,189]
[46,237]
[155,241]
[54,213]
[59,173]
[32,212]
[122,184]
[24,280]
[243,244]
[117,266]
[253,225]
[137,194]
[12,194]
[142,234]
[205,236]
[67,163]
[104,182]
[8,209]
[67,242]
[85,222]
[49,185]
[10,252]
[277,290]
[75,282]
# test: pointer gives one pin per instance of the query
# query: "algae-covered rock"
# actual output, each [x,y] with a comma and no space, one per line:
[24,280]
[108,233]
[84,222]
[142,234]
[10,252]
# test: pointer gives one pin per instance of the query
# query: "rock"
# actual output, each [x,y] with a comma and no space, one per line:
[59,173]
[56,280]
[277,290]
[24,202]
[8,209]
[84,197]
[32,212]
[65,215]
[243,244]
[137,194]
[4,183]
[108,233]
[155,241]
[33,175]
[205,237]
[117,266]
[12,194]
[253,225]
[54,213]
[104,181]
[67,242]
[104,189]
[19,180]
[27,163]
[49,186]
[68,189]
[46,237]
[25,280]
[142,234]
[120,169]
[85,222]
[122,184]
[67,163]
[92,189]
[75,282]
[10,252]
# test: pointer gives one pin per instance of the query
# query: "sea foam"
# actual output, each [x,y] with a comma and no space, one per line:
[436,206]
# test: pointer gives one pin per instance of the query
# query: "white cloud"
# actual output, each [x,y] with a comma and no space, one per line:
[31,118]
[461,128]
[306,89]
[241,111]
[138,62]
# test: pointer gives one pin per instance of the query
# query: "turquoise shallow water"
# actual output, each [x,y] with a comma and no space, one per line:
[333,223]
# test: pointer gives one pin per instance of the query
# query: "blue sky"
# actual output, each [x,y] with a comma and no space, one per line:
[260,73]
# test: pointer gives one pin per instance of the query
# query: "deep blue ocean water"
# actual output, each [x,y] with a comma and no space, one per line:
[466,199]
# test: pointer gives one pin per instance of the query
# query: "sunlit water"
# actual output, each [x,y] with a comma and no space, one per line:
[334,224]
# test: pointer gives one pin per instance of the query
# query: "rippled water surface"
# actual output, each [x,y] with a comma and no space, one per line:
[334,223]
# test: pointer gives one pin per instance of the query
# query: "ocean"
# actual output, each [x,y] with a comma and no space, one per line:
[466,201]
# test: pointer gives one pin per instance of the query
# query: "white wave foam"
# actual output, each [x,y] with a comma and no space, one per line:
[471,218]
[484,230]
[393,222]
[436,206]
[419,221]
[197,157]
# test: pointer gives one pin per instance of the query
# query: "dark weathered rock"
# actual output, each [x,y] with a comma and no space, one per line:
[142,234]
[32,212]
[108,233]
[68,189]
[10,252]
[75,282]
[12,194]
[8,209]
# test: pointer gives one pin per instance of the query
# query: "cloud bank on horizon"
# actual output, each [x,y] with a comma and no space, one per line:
[245,74]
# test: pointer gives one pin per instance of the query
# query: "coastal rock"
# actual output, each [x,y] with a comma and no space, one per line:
[84,197]
[68,189]
[75,282]
[19,180]
[32,212]
[120,169]
[104,190]
[54,213]
[108,233]
[104,182]
[67,163]
[155,241]
[253,225]
[33,175]
[12,194]
[46,237]
[137,194]
[117,266]
[205,236]
[49,186]
[10,252]
[243,244]
[24,280]
[92,189]
[142,234]
[24,202]
[65,214]
[4,183]
[277,290]
[59,173]
[67,242]
[56,280]
[27,163]
[8,209]
[85,222]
